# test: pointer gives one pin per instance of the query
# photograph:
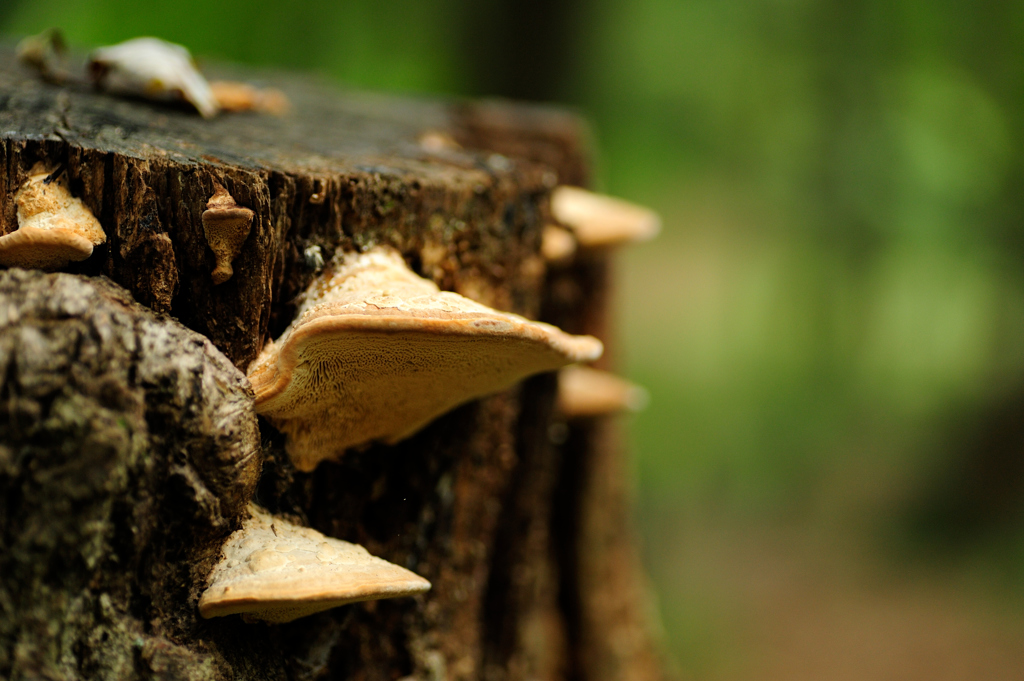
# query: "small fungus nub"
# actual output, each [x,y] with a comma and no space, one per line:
[437,141]
[557,245]
[227,226]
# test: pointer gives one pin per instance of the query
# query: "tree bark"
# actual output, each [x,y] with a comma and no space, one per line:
[128,444]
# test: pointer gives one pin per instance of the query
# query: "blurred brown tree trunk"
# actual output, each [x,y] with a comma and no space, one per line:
[128,446]
[522,50]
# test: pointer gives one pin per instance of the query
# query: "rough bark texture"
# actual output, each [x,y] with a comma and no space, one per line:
[128,450]
[499,515]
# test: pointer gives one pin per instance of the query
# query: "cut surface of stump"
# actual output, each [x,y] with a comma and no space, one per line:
[343,170]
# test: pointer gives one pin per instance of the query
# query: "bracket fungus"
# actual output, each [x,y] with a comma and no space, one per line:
[154,69]
[599,221]
[586,392]
[54,227]
[377,352]
[227,227]
[276,571]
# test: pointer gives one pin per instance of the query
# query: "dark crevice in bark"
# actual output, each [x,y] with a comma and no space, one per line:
[520,601]
[565,524]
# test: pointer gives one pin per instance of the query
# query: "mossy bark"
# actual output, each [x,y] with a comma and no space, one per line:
[128,450]
[118,489]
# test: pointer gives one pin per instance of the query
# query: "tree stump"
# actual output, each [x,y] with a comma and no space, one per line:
[128,443]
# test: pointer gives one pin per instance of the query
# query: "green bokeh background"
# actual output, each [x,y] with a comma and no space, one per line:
[831,325]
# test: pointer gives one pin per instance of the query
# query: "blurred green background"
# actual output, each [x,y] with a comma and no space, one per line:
[831,471]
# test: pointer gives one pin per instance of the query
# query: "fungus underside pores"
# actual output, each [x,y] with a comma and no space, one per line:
[377,352]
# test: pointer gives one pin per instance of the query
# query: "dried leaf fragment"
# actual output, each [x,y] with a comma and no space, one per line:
[234,96]
[46,53]
[276,571]
[377,352]
[152,68]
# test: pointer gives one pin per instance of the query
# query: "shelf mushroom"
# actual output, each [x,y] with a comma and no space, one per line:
[377,352]
[54,227]
[586,392]
[276,571]
[596,221]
